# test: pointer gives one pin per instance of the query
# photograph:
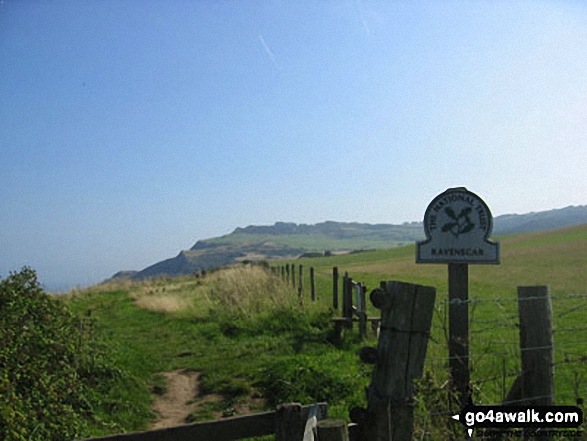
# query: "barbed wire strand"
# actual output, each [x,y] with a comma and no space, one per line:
[506,299]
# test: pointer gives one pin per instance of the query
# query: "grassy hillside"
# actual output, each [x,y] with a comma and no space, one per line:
[323,236]
[289,240]
[556,258]
[254,347]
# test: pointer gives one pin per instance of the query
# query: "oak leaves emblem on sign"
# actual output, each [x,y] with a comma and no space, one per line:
[460,224]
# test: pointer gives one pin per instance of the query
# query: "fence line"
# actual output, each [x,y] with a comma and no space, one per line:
[516,343]
[508,321]
[492,362]
[478,331]
[487,322]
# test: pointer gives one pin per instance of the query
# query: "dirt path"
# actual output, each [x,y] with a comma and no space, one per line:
[179,400]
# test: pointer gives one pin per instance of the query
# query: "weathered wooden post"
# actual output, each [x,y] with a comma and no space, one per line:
[347,299]
[399,359]
[287,272]
[458,224]
[312,285]
[282,273]
[344,287]
[293,421]
[536,345]
[301,285]
[362,309]
[335,288]
[293,275]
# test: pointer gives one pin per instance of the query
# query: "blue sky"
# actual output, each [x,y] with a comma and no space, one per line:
[131,129]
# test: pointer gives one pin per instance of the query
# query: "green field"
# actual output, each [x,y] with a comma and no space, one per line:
[557,259]
[256,348]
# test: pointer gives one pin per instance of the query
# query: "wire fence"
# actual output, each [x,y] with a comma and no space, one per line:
[497,328]
[495,352]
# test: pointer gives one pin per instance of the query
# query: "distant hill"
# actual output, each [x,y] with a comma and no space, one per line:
[289,240]
[540,221]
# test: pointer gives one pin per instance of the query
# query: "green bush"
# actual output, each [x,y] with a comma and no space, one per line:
[50,368]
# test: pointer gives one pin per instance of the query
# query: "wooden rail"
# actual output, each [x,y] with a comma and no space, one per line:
[288,423]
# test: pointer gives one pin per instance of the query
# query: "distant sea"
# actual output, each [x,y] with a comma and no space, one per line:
[63,288]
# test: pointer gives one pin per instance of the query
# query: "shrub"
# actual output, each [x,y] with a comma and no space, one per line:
[48,365]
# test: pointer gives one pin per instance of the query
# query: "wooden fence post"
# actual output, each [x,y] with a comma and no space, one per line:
[289,423]
[347,299]
[401,351]
[282,273]
[362,309]
[301,285]
[312,285]
[335,288]
[287,272]
[293,419]
[536,345]
[350,302]
[293,275]
[344,295]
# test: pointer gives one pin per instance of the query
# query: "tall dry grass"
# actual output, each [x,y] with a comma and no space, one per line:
[241,290]
[179,295]
[168,303]
[248,290]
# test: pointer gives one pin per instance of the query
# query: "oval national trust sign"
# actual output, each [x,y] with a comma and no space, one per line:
[457,224]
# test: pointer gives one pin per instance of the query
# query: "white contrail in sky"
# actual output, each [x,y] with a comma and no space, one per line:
[268,50]
[361,13]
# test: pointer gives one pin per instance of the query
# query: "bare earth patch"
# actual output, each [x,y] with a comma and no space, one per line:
[178,402]
[182,400]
